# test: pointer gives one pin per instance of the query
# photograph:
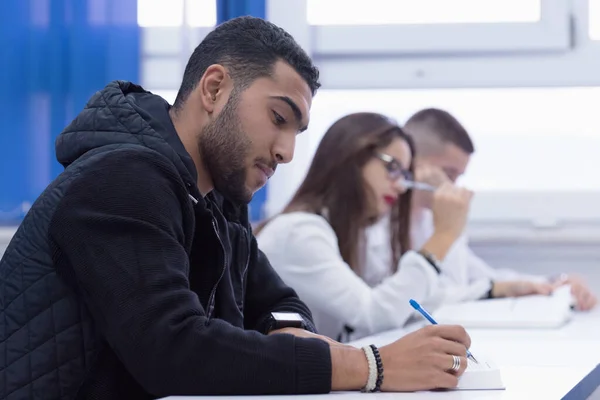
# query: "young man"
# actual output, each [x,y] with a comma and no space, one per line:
[136,274]
[444,149]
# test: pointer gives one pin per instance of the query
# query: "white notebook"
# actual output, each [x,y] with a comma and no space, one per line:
[520,312]
[483,375]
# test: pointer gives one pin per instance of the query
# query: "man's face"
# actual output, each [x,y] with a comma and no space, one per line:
[451,163]
[254,132]
[451,160]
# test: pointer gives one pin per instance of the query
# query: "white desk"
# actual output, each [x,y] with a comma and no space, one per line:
[522,383]
[535,364]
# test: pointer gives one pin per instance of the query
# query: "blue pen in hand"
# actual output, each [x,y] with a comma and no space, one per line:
[428,316]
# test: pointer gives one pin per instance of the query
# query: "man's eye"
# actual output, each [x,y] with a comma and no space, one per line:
[279,120]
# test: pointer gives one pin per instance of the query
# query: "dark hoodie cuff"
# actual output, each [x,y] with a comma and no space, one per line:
[313,366]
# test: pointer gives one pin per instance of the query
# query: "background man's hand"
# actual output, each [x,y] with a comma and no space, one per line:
[520,288]
[430,174]
[584,298]
[451,206]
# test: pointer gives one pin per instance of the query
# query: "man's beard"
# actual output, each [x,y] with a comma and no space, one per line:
[224,148]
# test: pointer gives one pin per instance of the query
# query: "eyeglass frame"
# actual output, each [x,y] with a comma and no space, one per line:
[394,168]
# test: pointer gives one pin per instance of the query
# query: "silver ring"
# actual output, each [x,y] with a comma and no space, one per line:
[455,364]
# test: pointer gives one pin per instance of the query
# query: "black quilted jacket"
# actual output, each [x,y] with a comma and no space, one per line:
[123,282]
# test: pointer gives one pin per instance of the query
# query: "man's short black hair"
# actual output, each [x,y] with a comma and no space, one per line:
[248,47]
[442,125]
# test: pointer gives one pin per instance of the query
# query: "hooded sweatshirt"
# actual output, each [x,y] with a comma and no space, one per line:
[123,281]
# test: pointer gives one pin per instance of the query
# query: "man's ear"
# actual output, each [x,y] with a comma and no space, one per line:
[212,86]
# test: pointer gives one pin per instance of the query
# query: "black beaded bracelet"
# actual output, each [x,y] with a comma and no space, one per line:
[379,369]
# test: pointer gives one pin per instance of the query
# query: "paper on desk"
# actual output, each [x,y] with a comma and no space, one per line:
[536,311]
[484,375]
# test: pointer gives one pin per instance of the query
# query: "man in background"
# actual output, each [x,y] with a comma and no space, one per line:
[443,151]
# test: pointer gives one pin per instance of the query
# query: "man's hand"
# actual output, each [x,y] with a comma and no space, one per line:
[520,288]
[584,298]
[430,174]
[422,359]
[450,209]
[305,334]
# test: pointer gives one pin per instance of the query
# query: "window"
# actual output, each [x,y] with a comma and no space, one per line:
[160,13]
[429,27]
[380,12]
[171,29]
[594,19]
[201,13]
[165,13]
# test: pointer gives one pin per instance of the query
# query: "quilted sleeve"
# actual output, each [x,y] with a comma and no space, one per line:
[118,235]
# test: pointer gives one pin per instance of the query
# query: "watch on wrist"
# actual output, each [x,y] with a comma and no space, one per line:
[280,320]
[431,259]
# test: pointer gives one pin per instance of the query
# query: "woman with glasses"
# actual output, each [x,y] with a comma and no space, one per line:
[360,172]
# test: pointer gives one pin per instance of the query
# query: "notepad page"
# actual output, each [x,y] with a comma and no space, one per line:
[520,312]
[479,366]
[483,375]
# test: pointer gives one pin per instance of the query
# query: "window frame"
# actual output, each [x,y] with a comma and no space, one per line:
[575,65]
[550,34]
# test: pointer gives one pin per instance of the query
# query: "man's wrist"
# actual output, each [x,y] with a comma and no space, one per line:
[349,368]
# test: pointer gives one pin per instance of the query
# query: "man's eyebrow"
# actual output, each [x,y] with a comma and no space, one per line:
[295,110]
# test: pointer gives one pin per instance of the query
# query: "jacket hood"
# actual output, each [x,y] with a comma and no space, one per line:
[125,113]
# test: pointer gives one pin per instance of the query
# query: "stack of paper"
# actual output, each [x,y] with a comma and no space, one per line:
[520,312]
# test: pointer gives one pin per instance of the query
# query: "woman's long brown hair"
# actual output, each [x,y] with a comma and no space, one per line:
[335,183]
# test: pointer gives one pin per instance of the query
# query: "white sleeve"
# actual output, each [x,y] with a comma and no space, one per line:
[313,266]
[378,253]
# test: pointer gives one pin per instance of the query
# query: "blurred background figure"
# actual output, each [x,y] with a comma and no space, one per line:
[443,151]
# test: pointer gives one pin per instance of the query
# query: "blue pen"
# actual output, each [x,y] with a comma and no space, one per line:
[428,316]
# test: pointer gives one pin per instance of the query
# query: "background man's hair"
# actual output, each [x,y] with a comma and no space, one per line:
[433,127]
[248,47]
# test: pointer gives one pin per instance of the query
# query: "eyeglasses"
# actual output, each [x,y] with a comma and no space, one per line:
[394,168]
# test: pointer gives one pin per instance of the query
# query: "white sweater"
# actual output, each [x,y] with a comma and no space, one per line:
[461,267]
[303,249]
